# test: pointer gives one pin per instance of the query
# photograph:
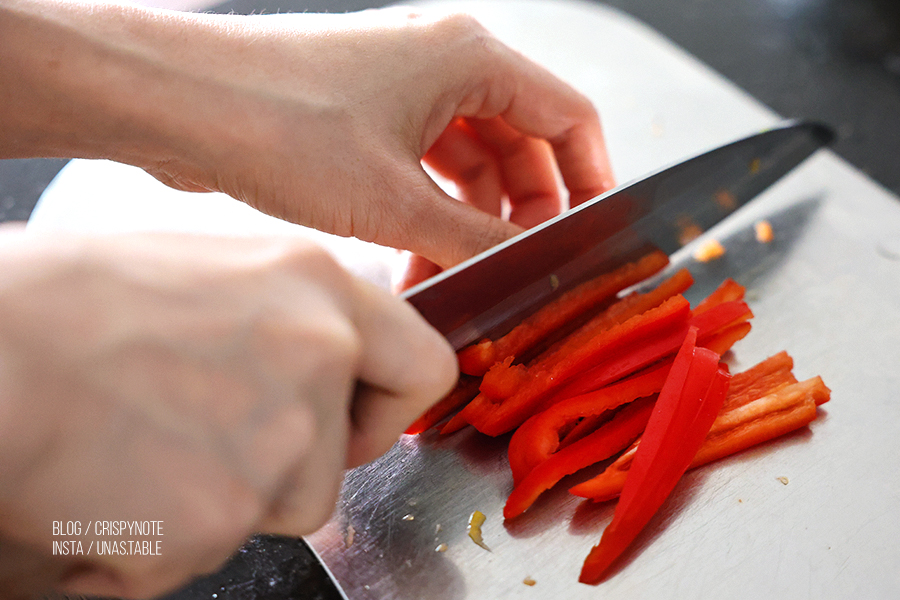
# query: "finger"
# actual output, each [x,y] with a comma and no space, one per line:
[459,156]
[527,170]
[406,366]
[540,105]
[583,162]
[440,228]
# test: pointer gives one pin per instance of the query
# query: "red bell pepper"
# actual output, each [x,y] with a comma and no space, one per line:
[686,408]
[742,426]
[720,343]
[538,437]
[728,291]
[502,379]
[503,376]
[709,324]
[497,418]
[612,437]
[466,389]
[478,358]
[456,422]
[763,378]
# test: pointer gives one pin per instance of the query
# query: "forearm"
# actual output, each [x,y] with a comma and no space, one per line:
[96,81]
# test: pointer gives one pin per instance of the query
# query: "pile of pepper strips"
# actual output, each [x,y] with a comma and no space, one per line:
[595,373]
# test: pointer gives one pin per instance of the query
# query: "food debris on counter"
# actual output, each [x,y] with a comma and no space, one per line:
[709,251]
[409,517]
[348,537]
[441,548]
[529,581]
[783,480]
[476,520]
[764,233]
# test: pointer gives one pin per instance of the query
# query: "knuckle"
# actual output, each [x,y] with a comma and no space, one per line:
[338,344]
[585,109]
[310,346]
[463,26]
[464,22]
[307,258]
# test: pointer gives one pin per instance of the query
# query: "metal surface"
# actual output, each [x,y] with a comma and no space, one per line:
[500,286]
[827,289]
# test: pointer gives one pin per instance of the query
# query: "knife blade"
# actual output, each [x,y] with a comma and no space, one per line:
[485,294]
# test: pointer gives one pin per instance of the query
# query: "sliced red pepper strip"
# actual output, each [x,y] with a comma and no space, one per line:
[466,389]
[477,359]
[538,438]
[630,306]
[626,360]
[655,335]
[759,380]
[500,380]
[687,405]
[591,423]
[496,419]
[456,422]
[728,291]
[617,434]
[762,419]
[784,410]
[721,342]
[503,379]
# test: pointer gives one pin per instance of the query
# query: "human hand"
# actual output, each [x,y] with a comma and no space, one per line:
[220,386]
[324,120]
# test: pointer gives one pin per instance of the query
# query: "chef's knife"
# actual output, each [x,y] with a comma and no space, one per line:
[483,295]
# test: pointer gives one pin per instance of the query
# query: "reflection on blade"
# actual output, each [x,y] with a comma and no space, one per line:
[664,210]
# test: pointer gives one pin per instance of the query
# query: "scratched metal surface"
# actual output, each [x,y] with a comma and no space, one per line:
[827,289]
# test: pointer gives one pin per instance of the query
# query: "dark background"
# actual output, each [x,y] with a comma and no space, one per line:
[837,61]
